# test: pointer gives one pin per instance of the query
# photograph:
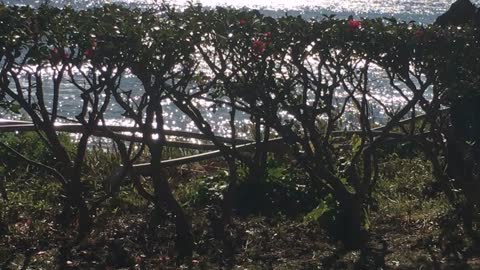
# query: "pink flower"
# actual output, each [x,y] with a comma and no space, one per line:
[354,25]
[53,52]
[258,46]
[242,22]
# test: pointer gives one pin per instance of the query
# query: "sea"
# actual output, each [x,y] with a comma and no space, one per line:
[423,11]
[420,11]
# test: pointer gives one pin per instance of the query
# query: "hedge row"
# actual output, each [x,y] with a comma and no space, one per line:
[285,73]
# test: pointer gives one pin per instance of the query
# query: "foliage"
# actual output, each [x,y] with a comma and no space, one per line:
[285,191]
[309,82]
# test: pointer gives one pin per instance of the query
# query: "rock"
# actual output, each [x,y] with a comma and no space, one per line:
[461,12]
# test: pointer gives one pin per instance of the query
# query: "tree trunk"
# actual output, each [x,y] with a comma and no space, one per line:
[75,199]
[355,234]
[164,195]
[258,168]
[460,169]
[351,231]
[229,196]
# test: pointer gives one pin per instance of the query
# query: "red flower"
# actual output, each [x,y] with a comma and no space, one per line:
[420,33]
[267,34]
[57,56]
[89,53]
[164,258]
[93,45]
[258,46]
[242,22]
[354,24]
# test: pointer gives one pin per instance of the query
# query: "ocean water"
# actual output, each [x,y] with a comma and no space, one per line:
[424,11]
[421,11]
